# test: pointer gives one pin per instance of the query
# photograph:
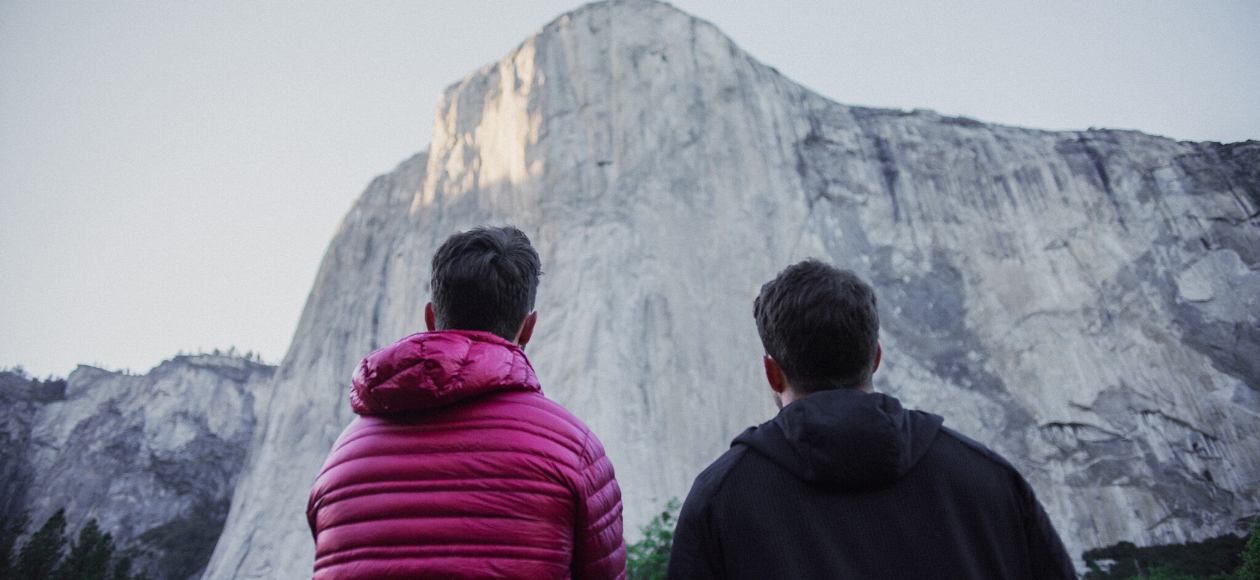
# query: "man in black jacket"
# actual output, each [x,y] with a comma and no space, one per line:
[844,482]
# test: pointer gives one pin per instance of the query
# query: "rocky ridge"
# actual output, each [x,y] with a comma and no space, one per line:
[1087,303]
[134,452]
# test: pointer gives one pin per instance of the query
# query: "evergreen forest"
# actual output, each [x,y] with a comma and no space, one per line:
[49,555]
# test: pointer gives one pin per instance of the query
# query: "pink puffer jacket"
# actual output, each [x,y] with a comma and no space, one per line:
[458,467]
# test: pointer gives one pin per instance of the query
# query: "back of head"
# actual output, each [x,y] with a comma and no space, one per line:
[485,279]
[821,325]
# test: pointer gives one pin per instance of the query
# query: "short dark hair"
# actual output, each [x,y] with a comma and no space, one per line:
[820,324]
[485,279]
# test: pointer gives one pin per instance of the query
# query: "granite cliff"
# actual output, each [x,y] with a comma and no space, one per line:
[1087,303]
[153,458]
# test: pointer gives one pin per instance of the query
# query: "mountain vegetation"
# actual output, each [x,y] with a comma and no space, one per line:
[1226,557]
[648,559]
[43,556]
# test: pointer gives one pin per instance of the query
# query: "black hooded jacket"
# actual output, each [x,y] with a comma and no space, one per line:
[847,484]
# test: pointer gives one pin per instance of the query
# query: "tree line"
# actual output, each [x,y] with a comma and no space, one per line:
[43,556]
[1226,557]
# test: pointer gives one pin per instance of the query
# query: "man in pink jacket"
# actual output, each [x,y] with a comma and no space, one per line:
[457,466]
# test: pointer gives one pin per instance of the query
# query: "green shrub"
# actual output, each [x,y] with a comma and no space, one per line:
[648,559]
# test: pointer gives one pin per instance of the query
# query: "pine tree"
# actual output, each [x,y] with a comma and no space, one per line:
[40,555]
[89,556]
[122,569]
[9,532]
[1250,569]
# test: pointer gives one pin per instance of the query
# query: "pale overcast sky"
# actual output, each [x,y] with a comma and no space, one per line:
[171,172]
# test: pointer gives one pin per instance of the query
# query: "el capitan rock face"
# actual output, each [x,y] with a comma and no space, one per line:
[1085,303]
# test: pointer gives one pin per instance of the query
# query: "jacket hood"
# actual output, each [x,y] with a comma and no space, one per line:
[433,369]
[845,439]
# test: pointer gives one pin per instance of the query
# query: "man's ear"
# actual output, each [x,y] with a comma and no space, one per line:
[879,353]
[429,322]
[527,329]
[774,375]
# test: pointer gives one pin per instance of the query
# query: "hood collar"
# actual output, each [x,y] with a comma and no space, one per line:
[845,439]
[433,369]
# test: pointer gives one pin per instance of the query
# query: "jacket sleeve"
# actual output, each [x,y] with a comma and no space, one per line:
[599,551]
[310,515]
[696,554]
[313,504]
[1050,560]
